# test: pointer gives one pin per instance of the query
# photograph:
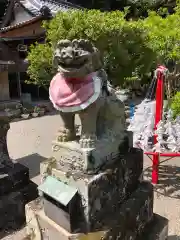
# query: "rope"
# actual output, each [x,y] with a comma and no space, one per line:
[152,89]
[161,69]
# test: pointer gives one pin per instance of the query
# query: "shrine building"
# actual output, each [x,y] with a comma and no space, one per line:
[21,26]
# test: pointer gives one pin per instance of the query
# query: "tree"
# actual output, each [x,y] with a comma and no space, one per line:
[175,104]
[163,38]
[131,49]
[138,8]
[40,69]
[122,44]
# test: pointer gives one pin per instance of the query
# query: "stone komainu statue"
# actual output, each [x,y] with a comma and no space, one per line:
[81,87]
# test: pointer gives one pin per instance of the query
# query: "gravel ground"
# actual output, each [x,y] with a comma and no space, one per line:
[29,142]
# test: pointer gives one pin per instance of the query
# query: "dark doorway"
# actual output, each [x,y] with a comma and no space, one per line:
[37,93]
[13,86]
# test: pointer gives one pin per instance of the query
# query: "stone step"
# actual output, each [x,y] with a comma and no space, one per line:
[9,104]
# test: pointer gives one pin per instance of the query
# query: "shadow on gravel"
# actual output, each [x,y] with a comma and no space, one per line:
[169,181]
[33,163]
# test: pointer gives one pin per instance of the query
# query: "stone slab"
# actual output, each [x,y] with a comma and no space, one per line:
[103,193]
[12,211]
[127,223]
[71,155]
[156,230]
[13,178]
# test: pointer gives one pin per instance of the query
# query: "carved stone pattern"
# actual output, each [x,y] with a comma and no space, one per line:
[73,162]
[46,168]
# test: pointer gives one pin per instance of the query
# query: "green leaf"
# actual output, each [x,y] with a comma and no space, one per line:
[130,48]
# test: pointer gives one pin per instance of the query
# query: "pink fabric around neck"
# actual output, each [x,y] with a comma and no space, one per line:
[71,92]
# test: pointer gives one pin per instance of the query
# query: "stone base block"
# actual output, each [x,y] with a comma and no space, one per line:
[128,223]
[12,211]
[156,230]
[13,178]
[89,159]
[101,195]
[133,216]
[15,191]
[12,206]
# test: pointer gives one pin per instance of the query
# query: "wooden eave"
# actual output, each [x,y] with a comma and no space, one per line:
[21,25]
[27,28]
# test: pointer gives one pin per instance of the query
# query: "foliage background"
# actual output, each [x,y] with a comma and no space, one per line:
[131,49]
[175,104]
[138,7]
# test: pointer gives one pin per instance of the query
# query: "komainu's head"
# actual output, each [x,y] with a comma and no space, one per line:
[76,58]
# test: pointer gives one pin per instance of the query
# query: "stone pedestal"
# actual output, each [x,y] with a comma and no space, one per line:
[71,156]
[110,203]
[92,186]
[15,187]
[128,222]
[101,194]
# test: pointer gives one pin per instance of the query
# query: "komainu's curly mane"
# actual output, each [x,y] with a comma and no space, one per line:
[77,58]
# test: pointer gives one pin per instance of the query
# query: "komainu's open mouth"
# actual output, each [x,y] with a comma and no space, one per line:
[77,57]
[72,64]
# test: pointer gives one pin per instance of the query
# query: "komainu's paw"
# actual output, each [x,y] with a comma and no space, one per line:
[65,135]
[88,141]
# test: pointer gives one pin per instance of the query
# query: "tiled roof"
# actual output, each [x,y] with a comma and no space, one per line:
[34,6]
[21,24]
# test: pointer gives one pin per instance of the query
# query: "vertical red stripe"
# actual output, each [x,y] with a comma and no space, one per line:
[158,117]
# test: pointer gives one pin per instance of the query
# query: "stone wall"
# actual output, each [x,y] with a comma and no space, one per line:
[4,86]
